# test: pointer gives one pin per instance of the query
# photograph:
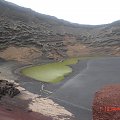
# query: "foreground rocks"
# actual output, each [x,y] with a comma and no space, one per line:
[106,105]
[8,88]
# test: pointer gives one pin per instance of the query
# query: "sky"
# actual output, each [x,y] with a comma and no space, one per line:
[92,12]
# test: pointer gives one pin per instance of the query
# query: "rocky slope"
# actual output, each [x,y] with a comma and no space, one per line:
[55,38]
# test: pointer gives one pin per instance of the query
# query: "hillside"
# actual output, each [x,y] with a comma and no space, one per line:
[46,36]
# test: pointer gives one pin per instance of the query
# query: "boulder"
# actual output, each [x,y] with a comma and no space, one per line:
[8,88]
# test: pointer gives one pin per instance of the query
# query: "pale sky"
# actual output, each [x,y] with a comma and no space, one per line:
[91,12]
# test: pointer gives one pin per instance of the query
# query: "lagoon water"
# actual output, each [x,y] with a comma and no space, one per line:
[51,72]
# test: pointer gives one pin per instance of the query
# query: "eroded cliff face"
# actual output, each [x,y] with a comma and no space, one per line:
[55,38]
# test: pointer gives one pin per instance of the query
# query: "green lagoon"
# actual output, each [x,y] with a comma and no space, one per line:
[51,72]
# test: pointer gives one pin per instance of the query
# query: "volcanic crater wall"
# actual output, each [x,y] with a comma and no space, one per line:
[22,27]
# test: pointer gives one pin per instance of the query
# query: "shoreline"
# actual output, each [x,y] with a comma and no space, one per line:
[48,86]
[25,94]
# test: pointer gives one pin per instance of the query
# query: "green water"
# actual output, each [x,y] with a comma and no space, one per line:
[50,73]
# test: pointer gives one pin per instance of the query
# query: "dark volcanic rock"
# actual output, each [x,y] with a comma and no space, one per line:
[7,88]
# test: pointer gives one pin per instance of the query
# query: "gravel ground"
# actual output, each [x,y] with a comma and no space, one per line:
[15,113]
[106,104]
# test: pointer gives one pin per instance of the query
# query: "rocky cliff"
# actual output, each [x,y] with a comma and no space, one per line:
[55,38]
